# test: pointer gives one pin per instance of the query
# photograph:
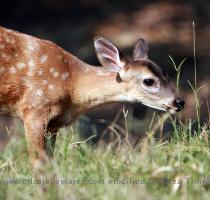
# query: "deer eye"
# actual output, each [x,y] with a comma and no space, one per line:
[149,81]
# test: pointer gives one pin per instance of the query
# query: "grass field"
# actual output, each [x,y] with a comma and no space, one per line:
[177,168]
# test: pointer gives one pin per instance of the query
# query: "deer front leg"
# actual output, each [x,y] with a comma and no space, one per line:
[35,128]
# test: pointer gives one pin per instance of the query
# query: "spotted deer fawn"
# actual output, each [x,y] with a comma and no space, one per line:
[47,87]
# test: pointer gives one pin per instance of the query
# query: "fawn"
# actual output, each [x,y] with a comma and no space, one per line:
[48,88]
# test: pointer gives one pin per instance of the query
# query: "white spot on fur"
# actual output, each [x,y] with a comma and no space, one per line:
[39,92]
[5,56]
[55,74]
[32,45]
[31,64]
[51,87]
[40,72]
[21,65]
[43,58]
[1,46]
[59,57]
[31,48]
[65,76]
[52,70]
[44,82]
[12,70]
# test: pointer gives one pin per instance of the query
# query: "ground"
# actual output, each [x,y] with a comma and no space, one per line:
[177,168]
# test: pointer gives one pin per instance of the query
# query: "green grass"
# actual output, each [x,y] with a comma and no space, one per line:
[173,169]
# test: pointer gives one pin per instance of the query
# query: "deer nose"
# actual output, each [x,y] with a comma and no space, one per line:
[179,104]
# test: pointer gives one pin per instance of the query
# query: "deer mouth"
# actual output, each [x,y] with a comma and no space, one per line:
[170,109]
[154,106]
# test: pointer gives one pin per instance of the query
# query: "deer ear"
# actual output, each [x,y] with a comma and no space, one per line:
[140,50]
[109,55]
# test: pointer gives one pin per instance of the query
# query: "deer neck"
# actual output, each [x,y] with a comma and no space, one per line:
[94,86]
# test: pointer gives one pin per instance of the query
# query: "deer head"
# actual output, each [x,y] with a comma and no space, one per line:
[145,81]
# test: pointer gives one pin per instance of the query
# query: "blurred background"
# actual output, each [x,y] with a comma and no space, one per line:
[165,25]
